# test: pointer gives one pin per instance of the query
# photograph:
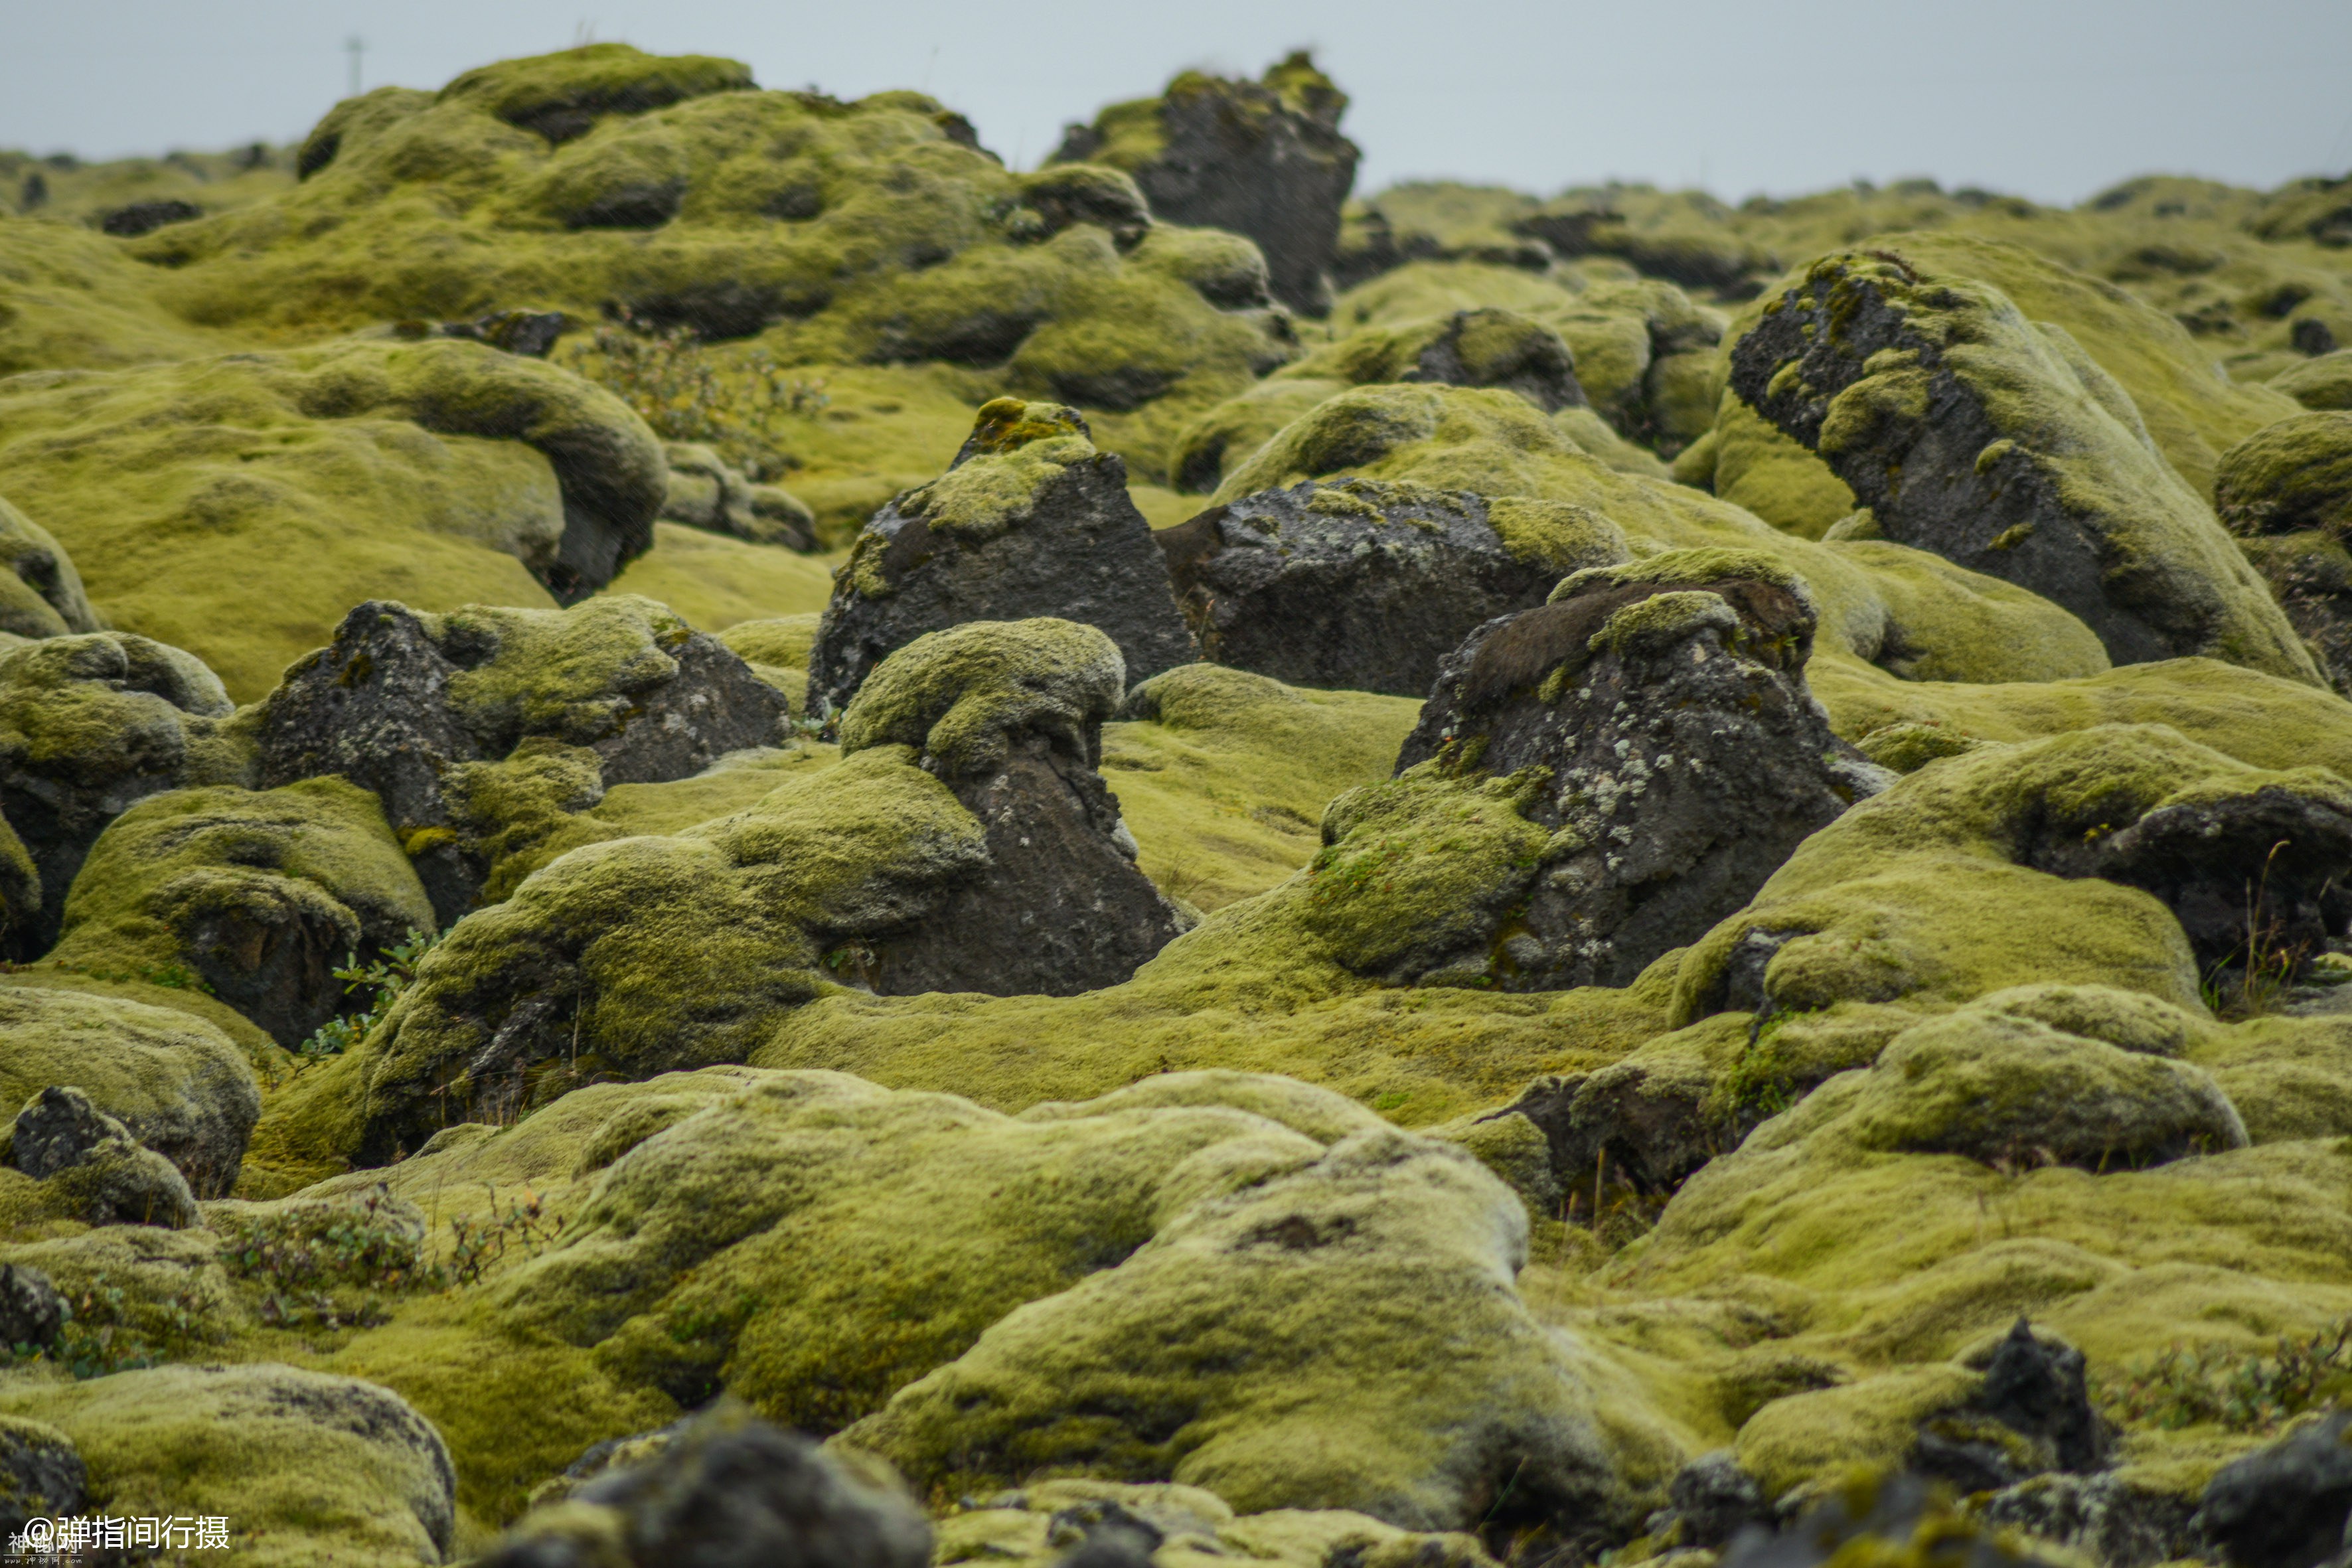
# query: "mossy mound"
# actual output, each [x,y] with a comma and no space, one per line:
[2294,477]
[1041,1519]
[842,232]
[303,1467]
[89,724]
[40,593]
[1971,432]
[1261,1205]
[440,473]
[2324,383]
[957,698]
[181,1086]
[66,187]
[2098,823]
[69,299]
[261,894]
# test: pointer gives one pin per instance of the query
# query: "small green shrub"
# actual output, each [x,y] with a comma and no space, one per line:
[99,1338]
[386,977]
[680,388]
[2245,1393]
[478,1242]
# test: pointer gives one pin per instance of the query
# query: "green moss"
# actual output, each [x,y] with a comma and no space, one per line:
[2323,383]
[1757,468]
[210,881]
[639,955]
[251,500]
[714,581]
[69,299]
[301,1465]
[782,643]
[40,593]
[2292,477]
[183,1088]
[955,697]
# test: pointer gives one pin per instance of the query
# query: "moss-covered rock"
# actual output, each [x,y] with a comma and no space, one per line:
[261,894]
[1030,521]
[1256,1208]
[183,1088]
[73,300]
[89,724]
[439,472]
[432,712]
[1264,159]
[2324,382]
[1366,585]
[92,1169]
[1971,432]
[40,593]
[1660,710]
[304,1467]
[2160,849]
[707,493]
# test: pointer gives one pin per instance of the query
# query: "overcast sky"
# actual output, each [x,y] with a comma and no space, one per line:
[2050,99]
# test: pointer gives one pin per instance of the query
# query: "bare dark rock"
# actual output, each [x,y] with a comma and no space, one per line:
[145,217]
[31,1311]
[1667,699]
[41,1476]
[729,1492]
[2106,1518]
[1367,586]
[2284,1506]
[1264,159]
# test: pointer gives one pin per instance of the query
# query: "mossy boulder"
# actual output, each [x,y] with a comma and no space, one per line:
[1030,521]
[1261,1212]
[180,1085]
[707,493]
[1663,706]
[2324,383]
[1009,716]
[1366,585]
[1264,159]
[92,1169]
[2121,854]
[305,1467]
[260,894]
[440,471]
[1969,431]
[73,300]
[40,593]
[89,724]
[2286,492]
[433,712]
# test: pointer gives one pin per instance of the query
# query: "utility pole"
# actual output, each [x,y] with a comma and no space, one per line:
[356,46]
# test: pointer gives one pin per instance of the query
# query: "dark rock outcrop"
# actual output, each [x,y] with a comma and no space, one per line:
[729,1490]
[42,1474]
[2286,492]
[1367,586]
[145,217]
[1264,159]
[106,1175]
[1030,521]
[1687,758]
[2284,1506]
[401,698]
[1061,907]
[1999,445]
[31,1311]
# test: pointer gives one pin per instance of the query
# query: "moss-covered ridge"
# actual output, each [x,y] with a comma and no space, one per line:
[250,500]
[1971,432]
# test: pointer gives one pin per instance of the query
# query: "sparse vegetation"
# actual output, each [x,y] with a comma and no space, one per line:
[382,978]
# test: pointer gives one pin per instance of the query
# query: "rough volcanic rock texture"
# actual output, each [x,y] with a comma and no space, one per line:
[730,1489]
[1030,521]
[1685,757]
[1366,587]
[99,1173]
[260,895]
[1999,444]
[1264,159]
[1009,716]
[89,724]
[409,704]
